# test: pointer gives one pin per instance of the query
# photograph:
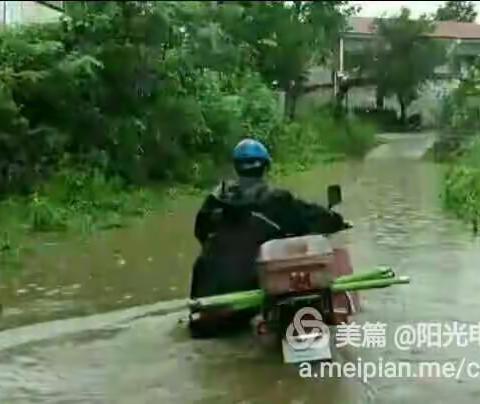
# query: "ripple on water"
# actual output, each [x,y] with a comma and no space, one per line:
[399,221]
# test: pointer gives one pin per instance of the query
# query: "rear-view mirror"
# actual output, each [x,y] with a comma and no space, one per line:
[334,195]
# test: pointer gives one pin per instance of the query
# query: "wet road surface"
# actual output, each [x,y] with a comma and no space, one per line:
[143,354]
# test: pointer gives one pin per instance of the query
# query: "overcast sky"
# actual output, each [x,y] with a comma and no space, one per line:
[377,8]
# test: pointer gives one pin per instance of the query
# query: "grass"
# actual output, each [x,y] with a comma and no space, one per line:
[72,202]
[462,186]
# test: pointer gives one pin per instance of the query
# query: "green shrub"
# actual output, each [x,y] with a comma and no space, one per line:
[349,136]
[84,198]
[386,119]
[354,137]
[45,216]
[127,93]
[460,112]
[462,185]
[121,88]
[260,109]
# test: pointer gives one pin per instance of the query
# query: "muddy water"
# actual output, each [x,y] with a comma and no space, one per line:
[142,354]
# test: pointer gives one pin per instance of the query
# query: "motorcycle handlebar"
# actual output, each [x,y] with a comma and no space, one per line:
[347,225]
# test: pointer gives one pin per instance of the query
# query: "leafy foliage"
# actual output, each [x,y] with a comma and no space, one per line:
[459,117]
[121,94]
[320,132]
[462,106]
[142,90]
[287,38]
[402,57]
[461,11]
[462,186]
[136,89]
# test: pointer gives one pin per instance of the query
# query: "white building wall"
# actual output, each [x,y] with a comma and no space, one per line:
[429,103]
[26,12]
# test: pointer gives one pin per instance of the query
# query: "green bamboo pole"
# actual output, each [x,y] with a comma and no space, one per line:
[369,284]
[234,301]
[377,273]
[254,298]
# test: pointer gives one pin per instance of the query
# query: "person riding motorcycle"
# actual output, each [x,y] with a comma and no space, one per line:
[238,216]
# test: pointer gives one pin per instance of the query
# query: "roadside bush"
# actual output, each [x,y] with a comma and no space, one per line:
[461,107]
[341,134]
[462,186]
[122,90]
[459,120]
[83,197]
[260,109]
[128,93]
[386,119]
[297,144]
[319,135]
[355,137]
[46,216]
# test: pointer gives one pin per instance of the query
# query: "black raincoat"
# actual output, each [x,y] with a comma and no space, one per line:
[236,219]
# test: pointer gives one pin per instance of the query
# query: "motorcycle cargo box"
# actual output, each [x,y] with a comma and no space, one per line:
[296,264]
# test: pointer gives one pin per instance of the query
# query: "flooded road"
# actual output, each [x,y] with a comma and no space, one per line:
[142,354]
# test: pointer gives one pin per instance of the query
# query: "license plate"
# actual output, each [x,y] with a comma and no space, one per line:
[309,354]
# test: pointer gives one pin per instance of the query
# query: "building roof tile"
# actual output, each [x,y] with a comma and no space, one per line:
[443,29]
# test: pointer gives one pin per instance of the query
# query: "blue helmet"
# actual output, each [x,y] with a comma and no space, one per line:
[251,156]
[250,149]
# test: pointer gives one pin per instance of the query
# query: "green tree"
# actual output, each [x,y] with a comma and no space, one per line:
[143,90]
[462,11]
[402,57]
[287,37]
[147,90]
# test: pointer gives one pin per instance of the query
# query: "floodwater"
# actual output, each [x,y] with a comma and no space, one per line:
[125,339]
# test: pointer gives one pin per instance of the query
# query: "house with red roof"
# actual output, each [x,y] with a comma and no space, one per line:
[462,40]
